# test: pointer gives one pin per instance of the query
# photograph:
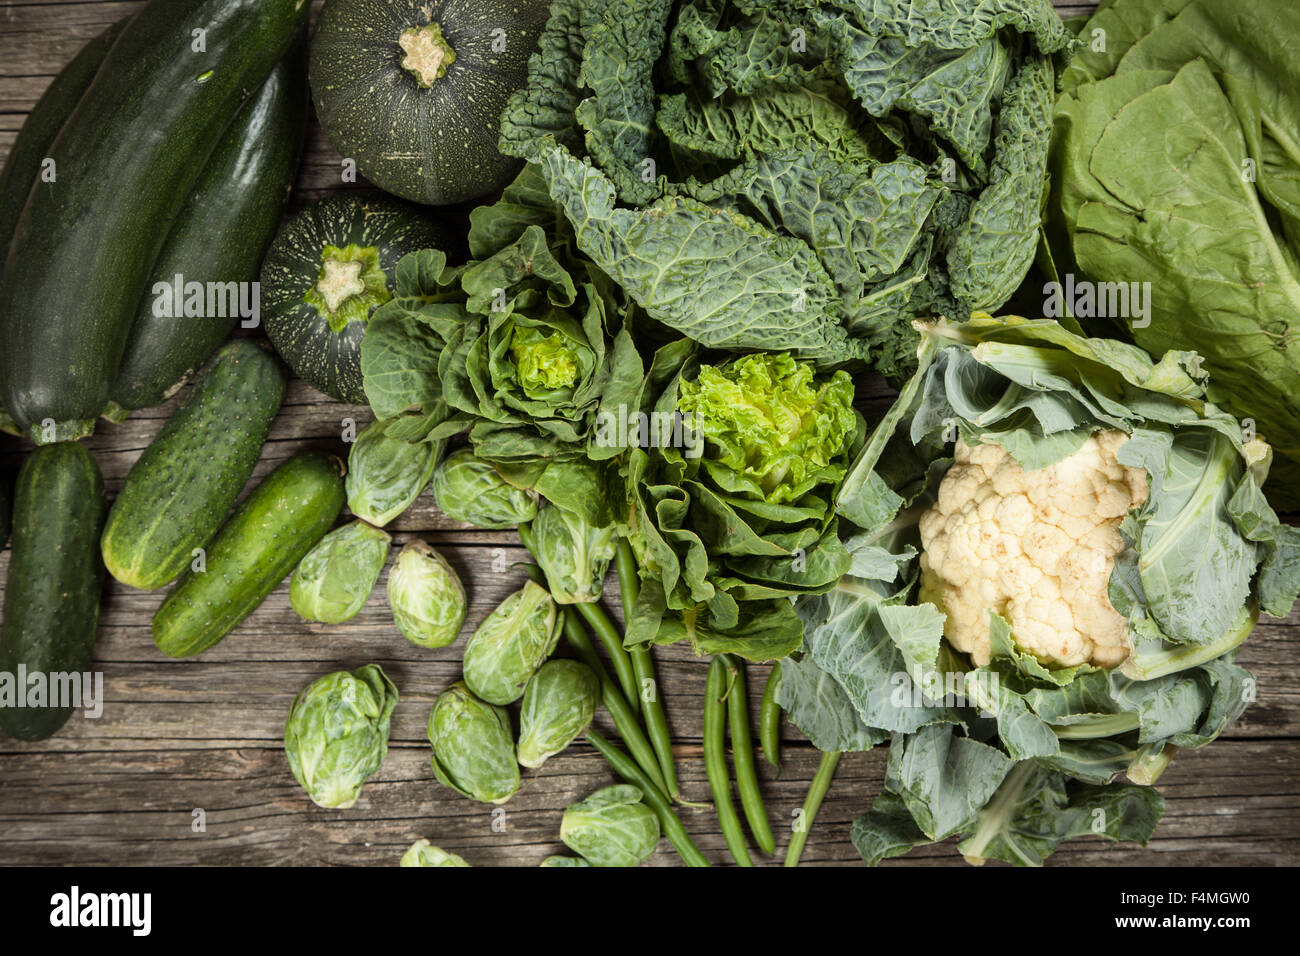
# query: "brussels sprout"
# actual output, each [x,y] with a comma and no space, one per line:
[425,596]
[333,580]
[385,475]
[423,853]
[337,733]
[511,643]
[468,488]
[574,553]
[612,827]
[473,752]
[564,861]
[559,703]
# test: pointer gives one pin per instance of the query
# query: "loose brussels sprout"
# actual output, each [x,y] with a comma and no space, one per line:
[612,827]
[423,853]
[337,733]
[511,643]
[473,752]
[574,553]
[425,596]
[333,580]
[385,475]
[559,702]
[468,488]
[564,861]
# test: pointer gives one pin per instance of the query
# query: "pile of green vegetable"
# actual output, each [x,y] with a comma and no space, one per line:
[701,225]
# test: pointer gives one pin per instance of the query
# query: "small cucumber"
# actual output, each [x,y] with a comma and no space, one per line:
[52,593]
[183,486]
[264,539]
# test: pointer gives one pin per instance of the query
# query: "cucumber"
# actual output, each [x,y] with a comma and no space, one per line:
[52,593]
[222,231]
[23,164]
[126,159]
[262,542]
[183,486]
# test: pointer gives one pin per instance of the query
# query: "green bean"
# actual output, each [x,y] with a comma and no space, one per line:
[769,725]
[620,710]
[643,667]
[812,803]
[612,640]
[668,820]
[715,760]
[742,756]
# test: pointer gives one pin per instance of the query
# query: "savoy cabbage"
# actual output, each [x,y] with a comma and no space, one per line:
[807,175]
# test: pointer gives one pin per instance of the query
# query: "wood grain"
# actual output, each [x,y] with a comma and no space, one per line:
[176,736]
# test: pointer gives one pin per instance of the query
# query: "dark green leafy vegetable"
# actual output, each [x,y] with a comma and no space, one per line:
[426,596]
[564,861]
[559,702]
[612,827]
[333,580]
[511,643]
[337,733]
[804,176]
[473,751]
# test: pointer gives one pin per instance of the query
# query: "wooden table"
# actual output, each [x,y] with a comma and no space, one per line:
[178,737]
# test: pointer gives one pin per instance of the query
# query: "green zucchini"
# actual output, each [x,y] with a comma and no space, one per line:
[217,241]
[52,593]
[126,159]
[23,164]
[262,542]
[6,509]
[183,486]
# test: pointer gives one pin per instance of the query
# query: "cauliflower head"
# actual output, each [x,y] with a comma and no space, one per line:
[1036,547]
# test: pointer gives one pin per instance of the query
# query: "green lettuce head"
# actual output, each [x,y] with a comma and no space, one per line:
[506,649]
[473,751]
[737,516]
[612,827]
[337,733]
[1059,546]
[426,596]
[523,346]
[333,580]
[469,488]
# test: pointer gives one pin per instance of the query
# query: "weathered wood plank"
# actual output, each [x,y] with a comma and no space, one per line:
[1235,803]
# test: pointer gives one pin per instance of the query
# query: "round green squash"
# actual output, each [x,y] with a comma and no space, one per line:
[329,267]
[413,90]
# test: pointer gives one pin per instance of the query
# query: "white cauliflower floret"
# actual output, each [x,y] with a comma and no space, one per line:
[1036,547]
